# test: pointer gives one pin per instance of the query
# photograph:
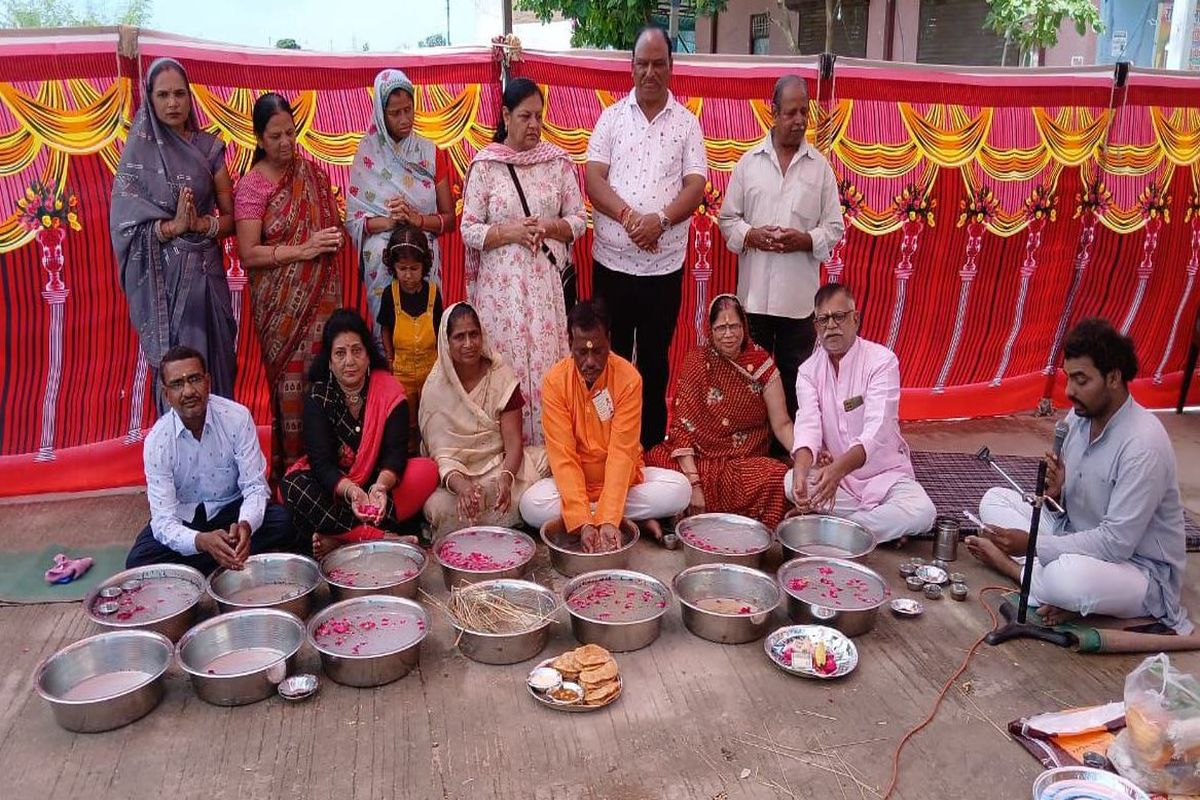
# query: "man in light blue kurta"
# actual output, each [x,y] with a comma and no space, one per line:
[1119,548]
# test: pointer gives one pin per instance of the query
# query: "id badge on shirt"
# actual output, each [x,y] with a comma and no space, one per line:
[852,403]
[604,405]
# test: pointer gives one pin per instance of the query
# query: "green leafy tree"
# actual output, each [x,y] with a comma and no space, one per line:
[64,14]
[607,23]
[287,44]
[1033,24]
[433,40]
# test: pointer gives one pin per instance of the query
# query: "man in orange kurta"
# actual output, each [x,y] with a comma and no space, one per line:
[592,418]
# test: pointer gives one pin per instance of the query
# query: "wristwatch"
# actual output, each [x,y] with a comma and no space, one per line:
[664,220]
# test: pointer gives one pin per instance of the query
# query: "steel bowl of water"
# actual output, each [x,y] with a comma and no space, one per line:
[105,681]
[283,581]
[824,536]
[483,553]
[835,592]
[618,609]
[379,567]
[508,642]
[369,641]
[727,603]
[567,555]
[723,539]
[163,598]
[241,657]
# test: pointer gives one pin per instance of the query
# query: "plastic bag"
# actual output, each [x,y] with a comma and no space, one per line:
[1159,749]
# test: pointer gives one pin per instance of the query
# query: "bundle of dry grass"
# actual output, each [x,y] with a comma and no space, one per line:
[480,610]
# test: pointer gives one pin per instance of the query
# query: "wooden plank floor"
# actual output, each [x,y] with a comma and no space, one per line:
[693,718]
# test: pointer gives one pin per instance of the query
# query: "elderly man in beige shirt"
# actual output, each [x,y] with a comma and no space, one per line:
[782,216]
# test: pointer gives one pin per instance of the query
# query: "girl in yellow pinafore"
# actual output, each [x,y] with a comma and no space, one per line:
[409,314]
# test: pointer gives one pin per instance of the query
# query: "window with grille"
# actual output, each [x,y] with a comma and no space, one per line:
[849,26]
[760,34]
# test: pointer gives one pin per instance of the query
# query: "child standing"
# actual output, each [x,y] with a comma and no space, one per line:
[409,314]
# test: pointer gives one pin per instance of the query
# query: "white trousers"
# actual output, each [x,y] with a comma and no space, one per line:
[1072,582]
[906,509]
[662,493]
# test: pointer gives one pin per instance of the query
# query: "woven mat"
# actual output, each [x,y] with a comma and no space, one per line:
[956,481]
[22,574]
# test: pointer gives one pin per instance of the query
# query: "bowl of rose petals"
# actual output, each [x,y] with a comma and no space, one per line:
[369,641]
[727,603]
[833,591]
[568,557]
[284,581]
[723,539]
[163,598]
[379,567]
[618,609]
[483,553]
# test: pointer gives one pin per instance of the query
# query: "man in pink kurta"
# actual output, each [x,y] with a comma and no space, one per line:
[850,459]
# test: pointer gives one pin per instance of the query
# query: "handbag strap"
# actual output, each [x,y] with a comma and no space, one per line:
[525,205]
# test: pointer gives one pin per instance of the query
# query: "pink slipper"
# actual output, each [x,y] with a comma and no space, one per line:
[66,569]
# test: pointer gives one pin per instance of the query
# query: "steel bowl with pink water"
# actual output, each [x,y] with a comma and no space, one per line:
[105,681]
[369,641]
[727,603]
[163,598]
[824,536]
[379,567]
[618,609]
[833,591]
[282,581]
[568,557]
[723,539]
[483,553]
[241,657]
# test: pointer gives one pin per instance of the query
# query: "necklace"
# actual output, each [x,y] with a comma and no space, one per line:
[352,398]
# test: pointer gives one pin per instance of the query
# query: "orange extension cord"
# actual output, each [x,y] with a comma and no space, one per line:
[945,689]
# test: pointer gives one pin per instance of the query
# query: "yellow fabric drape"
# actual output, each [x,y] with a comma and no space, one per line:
[878,160]
[1072,134]
[950,146]
[76,131]
[1008,223]
[1178,134]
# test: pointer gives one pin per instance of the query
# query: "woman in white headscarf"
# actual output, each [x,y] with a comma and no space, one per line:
[398,177]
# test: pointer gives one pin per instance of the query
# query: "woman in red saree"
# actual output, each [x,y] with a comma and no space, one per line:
[289,233]
[728,402]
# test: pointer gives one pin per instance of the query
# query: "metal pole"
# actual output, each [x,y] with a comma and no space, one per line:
[673,24]
[447,23]
[506,9]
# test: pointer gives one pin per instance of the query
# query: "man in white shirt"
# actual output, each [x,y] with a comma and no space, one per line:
[782,216]
[206,478]
[645,177]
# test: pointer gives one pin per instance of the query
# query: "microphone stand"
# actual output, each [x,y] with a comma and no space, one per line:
[1019,628]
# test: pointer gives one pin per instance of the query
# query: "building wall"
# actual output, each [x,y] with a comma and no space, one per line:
[733,28]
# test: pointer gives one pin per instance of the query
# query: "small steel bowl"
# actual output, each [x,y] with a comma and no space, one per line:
[850,621]
[240,657]
[617,635]
[933,591]
[364,555]
[914,583]
[940,564]
[282,581]
[104,681]
[959,591]
[823,536]
[907,607]
[931,574]
[908,569]
[567,556]
[458,576]
[726,582]
[299,687]
[372,669]
[171,625]
[543,679]
[957,577]
[510,648]
[1113,784]
[754,540]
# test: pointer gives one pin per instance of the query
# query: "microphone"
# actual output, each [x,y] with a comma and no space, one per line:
[1060,436]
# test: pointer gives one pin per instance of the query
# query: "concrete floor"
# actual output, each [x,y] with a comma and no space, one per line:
[695,717]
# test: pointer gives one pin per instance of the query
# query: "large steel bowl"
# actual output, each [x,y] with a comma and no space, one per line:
[372,669]
[283,581]
[817,535]
[105,681]
[171,625]
[240,657]
[617,635]
[566,552]
[727,584]
[723,539]
[518,646]
[852,621]
[459,576]
[339,568]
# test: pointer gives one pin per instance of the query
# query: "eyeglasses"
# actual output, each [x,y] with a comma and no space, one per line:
[731,327]
[838,318]
[195,379]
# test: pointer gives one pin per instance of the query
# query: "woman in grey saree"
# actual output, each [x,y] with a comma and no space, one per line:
[166,230]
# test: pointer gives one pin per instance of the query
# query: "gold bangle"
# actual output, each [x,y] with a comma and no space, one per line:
[510,475]
[275,256]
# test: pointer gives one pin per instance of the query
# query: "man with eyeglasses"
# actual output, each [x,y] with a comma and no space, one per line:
[645,176]
[850,459]
[782,216]
[206,478]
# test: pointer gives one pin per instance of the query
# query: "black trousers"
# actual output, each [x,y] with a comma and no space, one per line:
[276,534]
[790,342]
[643,310]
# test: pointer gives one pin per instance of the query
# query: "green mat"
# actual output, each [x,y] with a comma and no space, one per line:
[23,573]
